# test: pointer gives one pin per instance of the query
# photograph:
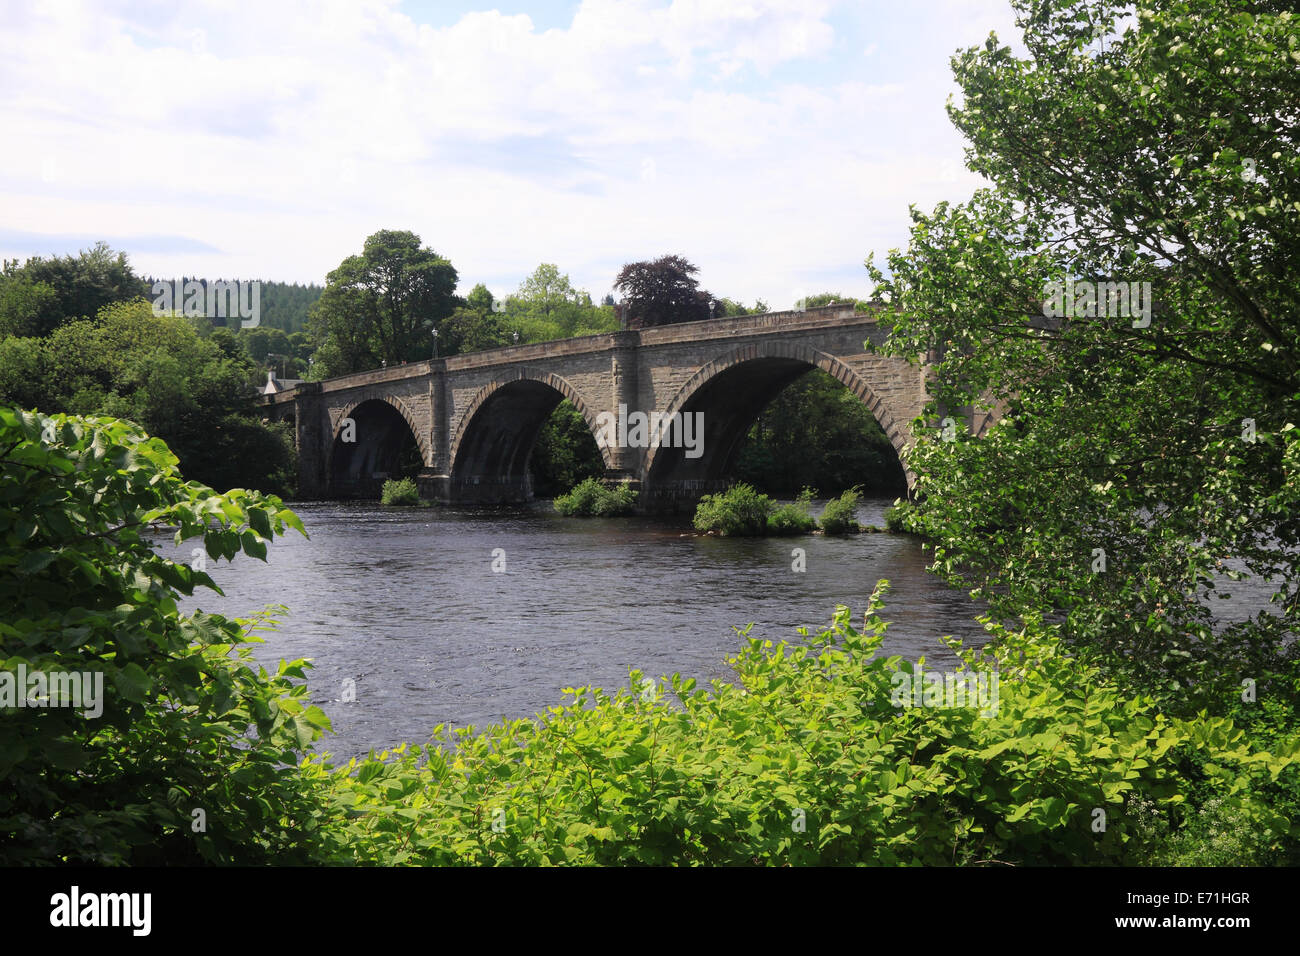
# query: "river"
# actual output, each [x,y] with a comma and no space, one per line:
[405,604]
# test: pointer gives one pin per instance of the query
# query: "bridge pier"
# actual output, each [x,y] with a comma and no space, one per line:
[490,490]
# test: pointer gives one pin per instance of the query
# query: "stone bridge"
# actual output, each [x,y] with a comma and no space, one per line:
[470,421]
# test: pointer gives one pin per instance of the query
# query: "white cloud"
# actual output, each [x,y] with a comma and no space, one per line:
[284,133]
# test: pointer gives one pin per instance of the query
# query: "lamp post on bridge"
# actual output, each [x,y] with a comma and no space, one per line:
[435,343]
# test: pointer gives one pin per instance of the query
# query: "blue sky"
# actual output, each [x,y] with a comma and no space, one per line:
[775,143]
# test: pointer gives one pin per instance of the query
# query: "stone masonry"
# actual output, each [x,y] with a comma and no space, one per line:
[473,418]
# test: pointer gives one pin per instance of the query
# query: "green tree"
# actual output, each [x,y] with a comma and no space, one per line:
[546,292]
[186,718]
[383,305]
[565,453]
[41,294]
[1149,455]
[471,330]
[160,372]
[480,299]
[816,433]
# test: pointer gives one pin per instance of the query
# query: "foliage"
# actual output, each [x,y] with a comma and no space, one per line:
[565,453]
[289,353]
[817,432]
[282,306]
[840,516]
[897,517]
[546,307]
[382,306]
[400,491]
[810,756]
[827,298]
[191,391]
[806,758]
[592,498]
[42,294]
[724,307]
[738,511]
[189,720]
[660,292]
[471,330]
[793,518]
[1141,468]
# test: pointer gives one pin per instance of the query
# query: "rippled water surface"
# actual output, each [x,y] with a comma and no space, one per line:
[405,602]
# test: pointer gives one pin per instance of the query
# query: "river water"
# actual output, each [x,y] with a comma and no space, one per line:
[406,604]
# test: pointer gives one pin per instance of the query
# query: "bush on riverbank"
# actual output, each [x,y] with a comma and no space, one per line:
[400,491]
[810,756]
[816,754]
[840,516]
[740,511]
[592,498]
[794,518]
[896,516]
[183,719]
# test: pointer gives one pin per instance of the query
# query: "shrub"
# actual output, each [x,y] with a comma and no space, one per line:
[897,515]
[740,510]
[811,756]
[592,498]
[794,518]
[841,514]
[189,720]
[400,491]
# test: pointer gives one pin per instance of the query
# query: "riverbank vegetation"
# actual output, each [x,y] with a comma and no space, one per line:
[400,491]
[181,379]
[1144,464]
[1147,461]
[743,511]
[594,499]
[823,751]
[840,516]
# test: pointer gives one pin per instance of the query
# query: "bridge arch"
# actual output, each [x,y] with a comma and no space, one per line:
[494,439]
[736,387]
[385,428]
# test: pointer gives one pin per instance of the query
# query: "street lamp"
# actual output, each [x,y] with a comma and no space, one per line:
[435,343]
[516,336]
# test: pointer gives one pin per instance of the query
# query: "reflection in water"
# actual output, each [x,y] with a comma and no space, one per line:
[405,602]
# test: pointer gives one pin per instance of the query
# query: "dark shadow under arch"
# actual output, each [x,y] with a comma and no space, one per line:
[386,446]
[492,448]
[731,392]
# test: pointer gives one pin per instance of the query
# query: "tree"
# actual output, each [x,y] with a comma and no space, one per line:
[565,453]
[827,298]
[183,718]
[161,372]
[40,295]
[1150,452]
[471,330]
[383,305]
[480,299]
[816,433]
[546,291]
[661,292]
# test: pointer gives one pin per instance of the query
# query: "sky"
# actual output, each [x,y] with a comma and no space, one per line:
[774,143]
